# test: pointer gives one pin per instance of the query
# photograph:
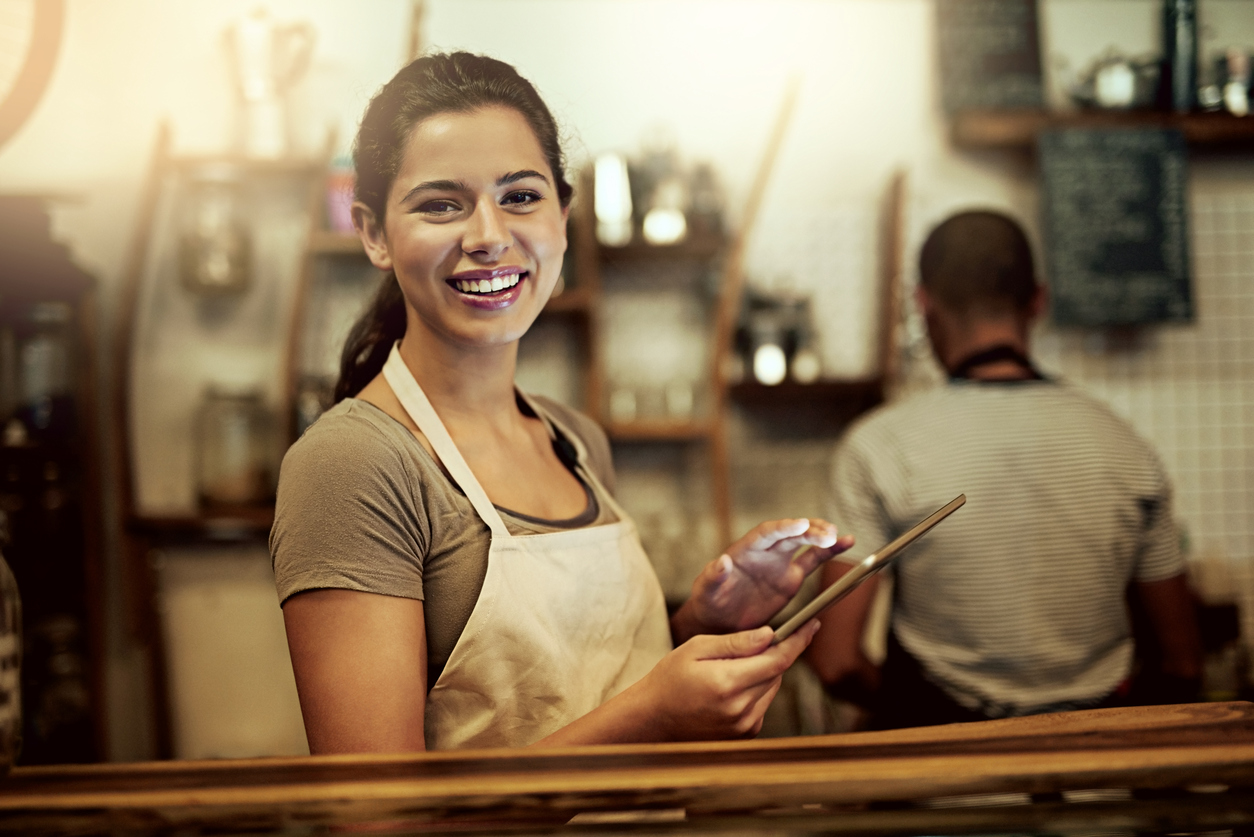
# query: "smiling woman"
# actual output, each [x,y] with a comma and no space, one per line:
[453,242]
[453,566]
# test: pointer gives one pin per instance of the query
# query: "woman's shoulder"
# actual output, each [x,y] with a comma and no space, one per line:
[348,514]
[352,426]
[352,442]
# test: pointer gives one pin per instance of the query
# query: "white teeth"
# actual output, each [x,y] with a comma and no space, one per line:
[488,286]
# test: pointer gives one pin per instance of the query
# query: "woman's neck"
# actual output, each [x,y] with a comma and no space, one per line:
[462,381]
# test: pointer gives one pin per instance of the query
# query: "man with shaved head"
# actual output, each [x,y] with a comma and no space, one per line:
[1016,605]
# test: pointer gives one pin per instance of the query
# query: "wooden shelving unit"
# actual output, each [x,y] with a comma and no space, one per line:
[1017,130]
[145,530]
[590,258]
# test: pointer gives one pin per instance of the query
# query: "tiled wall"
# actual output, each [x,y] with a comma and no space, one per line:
[1190,389]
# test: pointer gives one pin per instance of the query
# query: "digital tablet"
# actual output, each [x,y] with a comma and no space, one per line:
[870,565]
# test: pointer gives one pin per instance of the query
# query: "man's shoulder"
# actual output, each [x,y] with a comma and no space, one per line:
[967,407]
[902,412]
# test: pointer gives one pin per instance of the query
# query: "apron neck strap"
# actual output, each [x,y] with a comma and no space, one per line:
[416,403]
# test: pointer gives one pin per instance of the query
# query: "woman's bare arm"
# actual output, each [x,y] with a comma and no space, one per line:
[360,661]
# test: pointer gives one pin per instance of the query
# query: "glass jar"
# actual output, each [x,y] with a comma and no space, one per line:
[235,444]
[214,247]
[10,660]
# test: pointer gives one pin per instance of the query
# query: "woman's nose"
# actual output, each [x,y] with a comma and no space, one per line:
[487,232]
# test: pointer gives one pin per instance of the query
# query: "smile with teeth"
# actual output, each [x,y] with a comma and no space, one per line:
[488,286]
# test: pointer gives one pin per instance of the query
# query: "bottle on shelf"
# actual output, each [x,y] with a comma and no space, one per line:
[1180,54]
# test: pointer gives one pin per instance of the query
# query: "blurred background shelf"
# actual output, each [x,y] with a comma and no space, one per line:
[827,394]
[698,246]
[659,430]
[224,523]
[1018,129]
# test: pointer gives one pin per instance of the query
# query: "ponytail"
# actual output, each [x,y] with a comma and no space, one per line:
[370,341]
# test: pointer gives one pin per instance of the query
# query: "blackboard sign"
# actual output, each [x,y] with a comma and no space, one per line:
[990,57]
[1115,217]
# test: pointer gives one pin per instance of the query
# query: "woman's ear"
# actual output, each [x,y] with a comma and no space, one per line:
[373,238]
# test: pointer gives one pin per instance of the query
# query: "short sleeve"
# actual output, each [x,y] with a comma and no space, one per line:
[347,515]
[1160,556]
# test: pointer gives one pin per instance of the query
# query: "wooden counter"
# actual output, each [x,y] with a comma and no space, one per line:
[1172,768]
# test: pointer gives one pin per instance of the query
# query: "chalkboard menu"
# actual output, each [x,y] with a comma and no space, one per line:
[990,57]
[1115,218]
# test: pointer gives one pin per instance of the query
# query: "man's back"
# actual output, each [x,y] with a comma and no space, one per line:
[1017,604]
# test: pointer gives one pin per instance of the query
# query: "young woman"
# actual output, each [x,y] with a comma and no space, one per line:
[453,569]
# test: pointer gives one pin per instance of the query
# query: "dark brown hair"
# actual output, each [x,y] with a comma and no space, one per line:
[979,263]
[456,82]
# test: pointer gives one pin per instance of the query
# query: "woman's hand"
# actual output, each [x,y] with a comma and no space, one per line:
[711,687]
[757,576]
[717,687]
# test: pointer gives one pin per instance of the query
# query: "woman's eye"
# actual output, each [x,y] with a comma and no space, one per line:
[521,198]
[438,207]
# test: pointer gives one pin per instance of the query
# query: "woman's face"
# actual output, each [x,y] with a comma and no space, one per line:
[474,228]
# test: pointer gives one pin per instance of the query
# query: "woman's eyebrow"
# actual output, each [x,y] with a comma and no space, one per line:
[515,176]
[437,186]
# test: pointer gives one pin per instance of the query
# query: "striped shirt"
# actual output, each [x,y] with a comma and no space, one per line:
[1016,604]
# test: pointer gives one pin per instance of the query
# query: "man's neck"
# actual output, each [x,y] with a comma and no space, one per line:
[982,336]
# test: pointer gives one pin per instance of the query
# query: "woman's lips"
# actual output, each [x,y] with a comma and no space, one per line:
[488,289]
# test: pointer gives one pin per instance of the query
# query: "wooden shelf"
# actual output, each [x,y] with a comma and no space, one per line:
[331,243]
[224,523]
[1019,129]
[695,247]
[659,430]
[865,392]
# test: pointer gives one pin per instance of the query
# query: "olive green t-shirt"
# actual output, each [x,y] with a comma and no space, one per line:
[362,505]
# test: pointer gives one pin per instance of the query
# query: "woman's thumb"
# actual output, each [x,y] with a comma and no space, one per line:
[740,644]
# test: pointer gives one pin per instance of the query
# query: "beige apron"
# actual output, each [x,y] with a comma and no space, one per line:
[565,620]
